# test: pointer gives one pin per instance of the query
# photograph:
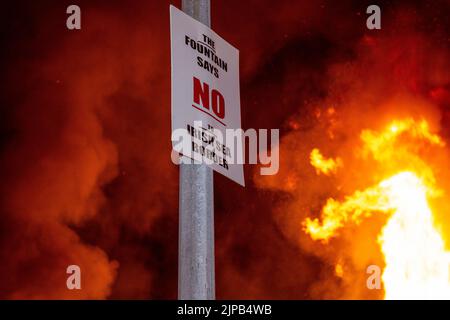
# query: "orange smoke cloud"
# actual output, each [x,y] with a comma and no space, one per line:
[86,121]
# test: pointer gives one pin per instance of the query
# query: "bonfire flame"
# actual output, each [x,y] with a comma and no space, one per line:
[322,164]
[416,262]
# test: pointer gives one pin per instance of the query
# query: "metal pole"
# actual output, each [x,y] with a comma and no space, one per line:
[196,225]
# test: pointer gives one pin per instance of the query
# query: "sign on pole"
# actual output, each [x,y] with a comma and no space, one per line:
[205,96]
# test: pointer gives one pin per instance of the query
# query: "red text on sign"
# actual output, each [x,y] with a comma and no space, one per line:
[207,100]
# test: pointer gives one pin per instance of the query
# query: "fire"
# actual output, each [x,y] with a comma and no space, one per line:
[323,165]
[416,261]
[417,265]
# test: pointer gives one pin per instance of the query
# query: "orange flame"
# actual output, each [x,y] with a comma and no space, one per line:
[323,165]
[417,264]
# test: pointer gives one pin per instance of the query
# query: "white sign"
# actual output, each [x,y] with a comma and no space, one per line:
[205,95]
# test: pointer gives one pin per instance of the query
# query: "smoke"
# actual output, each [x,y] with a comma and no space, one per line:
[85,151]
[85,160]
